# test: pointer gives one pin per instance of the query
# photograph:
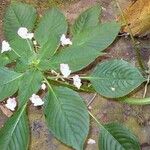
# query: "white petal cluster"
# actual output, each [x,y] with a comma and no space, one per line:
[91,141]
[5,47]
[11,104]
[43,86]
[77,81]
[35,42]
[36,100]
[65,70]
[65,41]
[23,33]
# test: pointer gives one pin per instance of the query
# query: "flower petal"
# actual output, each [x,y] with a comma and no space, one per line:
[65,41]
[91,141]
[5,47]
[22,32]
[11,104]
[30,35]
[77,81]
[36,100]
[43,86]
[64,68]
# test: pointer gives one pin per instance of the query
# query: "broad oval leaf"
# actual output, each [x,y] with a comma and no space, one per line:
[49,48]
[52,23]
[114,136]
[9,82]
[87,46]
[98,37]
[115,78]
[18,15]
[30,84]
[88,18]
[15,133]
[67,116]
[76,57]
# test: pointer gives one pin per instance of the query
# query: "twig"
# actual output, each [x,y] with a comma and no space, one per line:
[95,119]
[92,99]
[136,49]
[146,85]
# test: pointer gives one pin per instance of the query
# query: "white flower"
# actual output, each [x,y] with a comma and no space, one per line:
[23,33]
[5,47]
[77,81]
[64,68]
[11,104]
[35,42]
[65,41]
[91,141]
[36,100]
[43,86]
[30,35]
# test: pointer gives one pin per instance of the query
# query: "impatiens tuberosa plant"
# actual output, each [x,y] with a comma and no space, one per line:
[46,56]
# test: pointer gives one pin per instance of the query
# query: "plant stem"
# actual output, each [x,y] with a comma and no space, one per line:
[136,101]
[95,119]
[82,89]
[30,46]
[136,48]
[46,81]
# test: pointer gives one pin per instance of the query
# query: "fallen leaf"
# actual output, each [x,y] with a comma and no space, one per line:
[6,111]
[137,16]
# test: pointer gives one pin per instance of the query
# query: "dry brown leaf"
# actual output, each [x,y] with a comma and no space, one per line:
[6,111]
[137,16]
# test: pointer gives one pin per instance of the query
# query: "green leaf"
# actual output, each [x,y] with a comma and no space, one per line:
[67,116]
[53,23]
[18,15]
[87,46]
[88,18]
[15,133]
[76,57]
[21,65]
[114,136]
[4,60]
[115,78]
[22,47]
[24,63]
[9,82]
[49,48]
[98,37]
[30,84]
[44,64]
